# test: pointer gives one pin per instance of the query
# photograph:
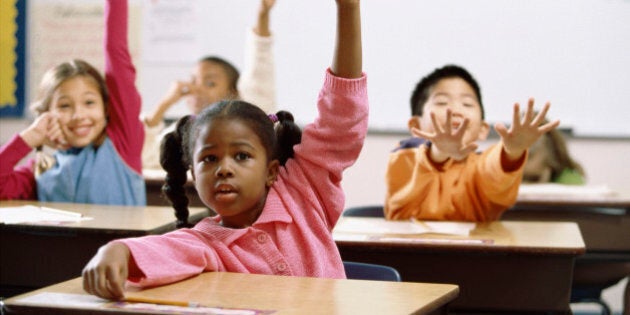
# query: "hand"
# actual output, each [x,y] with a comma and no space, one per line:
[348,2]
[56,135]
[177,90]
[45,130]
[447,142]
[266,5]
[107,271]
[525,129]
[262,24]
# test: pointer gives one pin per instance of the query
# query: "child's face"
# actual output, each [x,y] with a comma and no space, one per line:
[211,84]
[458,95]
[231,171]
[78,104]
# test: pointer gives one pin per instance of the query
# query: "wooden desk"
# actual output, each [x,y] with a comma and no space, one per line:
[565,196]
[36,255]
[501,266]
[154,180]
[285,295]
[604,220]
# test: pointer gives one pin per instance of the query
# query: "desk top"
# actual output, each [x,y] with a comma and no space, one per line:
[498,236]
[114,219]
[567,195]
[285,295]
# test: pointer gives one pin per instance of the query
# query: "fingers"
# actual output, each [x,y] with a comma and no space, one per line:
[106,273]
[549,126]
[516,116]
[501,129]
[114,284]
[529,113]
[459,133]
[422,134]
[436,125]
[542,114]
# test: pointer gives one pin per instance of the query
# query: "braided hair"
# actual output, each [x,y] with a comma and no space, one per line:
[278,133]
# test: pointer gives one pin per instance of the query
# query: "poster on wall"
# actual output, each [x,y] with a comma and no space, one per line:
[12,57]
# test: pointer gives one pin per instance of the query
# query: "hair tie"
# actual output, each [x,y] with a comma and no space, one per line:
[273,117]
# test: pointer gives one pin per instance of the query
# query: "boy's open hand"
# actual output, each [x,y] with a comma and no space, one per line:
[447,142]
[525,129]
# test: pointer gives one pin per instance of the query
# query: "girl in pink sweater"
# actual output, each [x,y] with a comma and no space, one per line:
[277,191]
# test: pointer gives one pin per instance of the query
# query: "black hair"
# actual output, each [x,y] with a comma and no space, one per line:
[422,90]
[177,147]
[229,68]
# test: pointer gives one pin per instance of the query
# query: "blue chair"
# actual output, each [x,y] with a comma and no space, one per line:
[363,271]
[364,211]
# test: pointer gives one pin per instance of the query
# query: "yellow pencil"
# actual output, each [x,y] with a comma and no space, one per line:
[149,300]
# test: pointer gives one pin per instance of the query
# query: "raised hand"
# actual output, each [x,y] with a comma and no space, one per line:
[525,129]
[262,24]
[447,142]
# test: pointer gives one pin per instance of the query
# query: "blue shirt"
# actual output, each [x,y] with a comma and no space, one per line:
[92,175]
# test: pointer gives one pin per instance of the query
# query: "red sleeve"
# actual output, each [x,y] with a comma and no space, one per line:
[16,182]
[124,126]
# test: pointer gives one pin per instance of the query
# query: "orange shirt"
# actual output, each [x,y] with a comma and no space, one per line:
[474,189]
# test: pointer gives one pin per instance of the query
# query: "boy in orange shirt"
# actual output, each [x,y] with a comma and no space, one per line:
[440,176]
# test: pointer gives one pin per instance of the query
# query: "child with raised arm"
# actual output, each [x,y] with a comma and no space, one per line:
[438,175]
[92,122]
[216,79]
[277,190]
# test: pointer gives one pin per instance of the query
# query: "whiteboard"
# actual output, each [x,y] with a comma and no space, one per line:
[573,53]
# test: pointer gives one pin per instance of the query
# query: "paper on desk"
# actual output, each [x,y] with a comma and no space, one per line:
[86,301]
[64,299]
[559,190]
[371,226]
[35,214]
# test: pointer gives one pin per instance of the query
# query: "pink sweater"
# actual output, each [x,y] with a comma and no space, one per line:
[293,234]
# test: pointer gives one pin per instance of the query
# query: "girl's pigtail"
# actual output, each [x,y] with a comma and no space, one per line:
[174,163]
[288,134]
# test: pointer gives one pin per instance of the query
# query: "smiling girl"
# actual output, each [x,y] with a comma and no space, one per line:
[92,122]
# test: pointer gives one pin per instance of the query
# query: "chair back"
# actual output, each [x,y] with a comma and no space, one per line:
[364,211]
[364,271]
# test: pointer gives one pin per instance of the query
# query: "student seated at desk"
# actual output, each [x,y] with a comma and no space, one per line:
[92,122]
[215,79]
[276,189]
[443,178]
[549,161]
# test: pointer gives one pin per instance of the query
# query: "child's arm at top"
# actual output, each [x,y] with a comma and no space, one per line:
[347,60]
[524,132]
[124,126]
[257,83]
[262,24]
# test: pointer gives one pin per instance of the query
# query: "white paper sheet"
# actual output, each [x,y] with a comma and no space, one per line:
[35,214]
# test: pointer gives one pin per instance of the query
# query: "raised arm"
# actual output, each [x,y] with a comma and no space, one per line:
[262,24]
[347,60]
[525,130]
[124,126]
[257,83]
